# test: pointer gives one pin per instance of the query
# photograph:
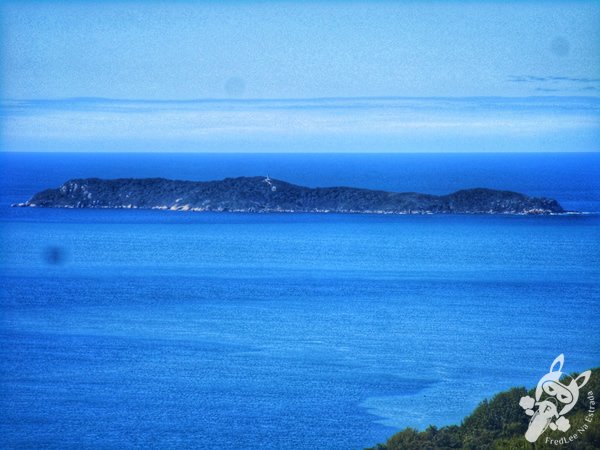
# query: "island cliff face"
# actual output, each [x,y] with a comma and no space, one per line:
[260,194]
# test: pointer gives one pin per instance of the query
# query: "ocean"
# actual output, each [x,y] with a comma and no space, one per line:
[125,328]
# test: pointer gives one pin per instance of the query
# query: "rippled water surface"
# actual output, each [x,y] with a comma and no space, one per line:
[171,329]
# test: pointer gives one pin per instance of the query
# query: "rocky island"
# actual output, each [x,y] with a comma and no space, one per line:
[264,194]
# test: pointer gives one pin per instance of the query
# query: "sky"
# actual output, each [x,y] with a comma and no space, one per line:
[300,76]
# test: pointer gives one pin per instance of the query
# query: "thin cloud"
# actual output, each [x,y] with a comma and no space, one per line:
[550,79]
[557,84]
[540,89]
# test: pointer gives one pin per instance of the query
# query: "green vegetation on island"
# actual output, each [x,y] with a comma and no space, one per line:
[264,194]
[500,424]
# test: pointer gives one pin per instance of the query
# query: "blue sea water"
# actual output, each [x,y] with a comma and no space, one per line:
[172,329]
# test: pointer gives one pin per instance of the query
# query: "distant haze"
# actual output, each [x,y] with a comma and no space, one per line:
[487,124]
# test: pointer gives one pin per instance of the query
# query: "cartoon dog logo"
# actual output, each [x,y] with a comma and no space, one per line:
[553,400]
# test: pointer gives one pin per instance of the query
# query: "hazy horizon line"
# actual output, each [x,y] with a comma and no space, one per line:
[316,152]
[267,99]
[538,123]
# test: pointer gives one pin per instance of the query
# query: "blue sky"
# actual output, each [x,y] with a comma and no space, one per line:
[149,55]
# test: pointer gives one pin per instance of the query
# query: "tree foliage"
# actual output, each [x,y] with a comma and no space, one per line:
[500,424]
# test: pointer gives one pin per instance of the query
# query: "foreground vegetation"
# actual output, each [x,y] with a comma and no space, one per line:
[500,424]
